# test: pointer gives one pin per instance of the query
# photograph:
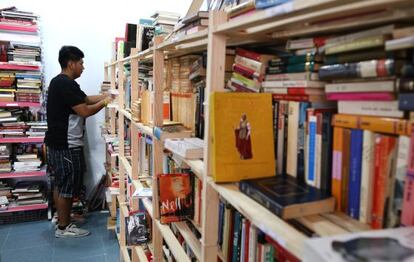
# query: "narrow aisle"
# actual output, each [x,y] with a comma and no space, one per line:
[35,242]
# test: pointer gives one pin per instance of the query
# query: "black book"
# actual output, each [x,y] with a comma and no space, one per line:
[136,229]
[286,197]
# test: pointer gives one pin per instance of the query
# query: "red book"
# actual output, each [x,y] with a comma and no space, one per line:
[305,91]
[299,98]
[175,197]
[247,72]
[385,149]
[369,96]
[407,215]
[253,55]
[246,241]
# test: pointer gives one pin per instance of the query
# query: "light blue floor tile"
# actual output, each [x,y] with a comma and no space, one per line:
[98,258]
[34,254]
[21,239]
[31,227]
[4,229]
[78,247]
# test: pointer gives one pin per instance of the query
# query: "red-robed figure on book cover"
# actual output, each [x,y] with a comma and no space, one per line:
[243,141]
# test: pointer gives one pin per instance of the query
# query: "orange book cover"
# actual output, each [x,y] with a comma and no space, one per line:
[376,124]
[242,136]
[385,151]
[338,148]
[175,197]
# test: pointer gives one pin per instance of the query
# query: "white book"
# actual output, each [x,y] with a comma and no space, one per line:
[395,244]
[402,43]
[243,237]
[371,86]
[191,148]
[292,146]
[370,108]
[367,177]
[252,243]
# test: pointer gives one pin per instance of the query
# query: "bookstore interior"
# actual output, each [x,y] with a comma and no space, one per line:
[237,130]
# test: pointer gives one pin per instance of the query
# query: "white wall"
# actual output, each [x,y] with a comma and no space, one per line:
[90,25]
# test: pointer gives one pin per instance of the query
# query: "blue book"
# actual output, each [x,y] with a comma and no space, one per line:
[311,153]
[406,101]
[236,236]
[221,224]
[301,142]
[355,169]
[262,4]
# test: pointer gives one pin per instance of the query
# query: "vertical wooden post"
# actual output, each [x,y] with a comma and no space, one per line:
[216,57]
[134,76]
[158,73]
[112,112]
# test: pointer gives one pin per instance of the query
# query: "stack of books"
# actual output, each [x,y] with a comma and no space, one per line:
[164,22]
[27,163]
[5,163]
[28,87]
[7,86]
[248,71]
[36,129]
[29,193]
[192,24]
[136,110]
[189,148]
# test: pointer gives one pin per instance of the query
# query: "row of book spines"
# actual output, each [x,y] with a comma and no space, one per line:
[365,170]
[241,241]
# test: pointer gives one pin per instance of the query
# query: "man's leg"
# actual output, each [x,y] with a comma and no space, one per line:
[63,206]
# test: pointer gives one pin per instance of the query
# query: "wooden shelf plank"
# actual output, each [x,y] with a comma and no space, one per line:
[139,252]
[172,242]
[321,226]
[126,114]
[19,104]
[190,238]
[173,41]
[23,174]
[12,209]
[21,140]
[126,165]
[125,254]
[261,217]
[346,222]
[147,130]
[264,19]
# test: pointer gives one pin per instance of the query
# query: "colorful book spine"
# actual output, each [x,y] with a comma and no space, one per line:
[247,72]
[406,102]
[295,68]
[345,169]
[262,4]
[296,59]
[407,215]
[327,147]
[385,148]
[358,44]
[357,56]
[355,173]
[282,113]
[375,124]
[367,177]
[364,69]
[311,152]
[249,63]
[360,96]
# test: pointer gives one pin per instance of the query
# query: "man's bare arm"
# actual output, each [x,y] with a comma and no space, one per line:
[86,110]
[91,100]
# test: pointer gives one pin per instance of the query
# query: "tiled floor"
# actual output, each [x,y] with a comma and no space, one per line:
[35,242]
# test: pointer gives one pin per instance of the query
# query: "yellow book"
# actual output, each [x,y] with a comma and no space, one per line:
[242,136]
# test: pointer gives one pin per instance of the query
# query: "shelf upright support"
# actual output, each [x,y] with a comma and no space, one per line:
[216,58]
[158,73]
[112,112]
[134,129]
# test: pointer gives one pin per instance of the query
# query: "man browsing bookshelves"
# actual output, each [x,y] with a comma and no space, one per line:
[67,108]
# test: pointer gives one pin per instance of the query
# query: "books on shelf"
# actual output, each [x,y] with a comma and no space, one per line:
[137,231]
[286,197]
[189,148]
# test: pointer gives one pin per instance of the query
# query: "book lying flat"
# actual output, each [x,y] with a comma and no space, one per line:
[286,197]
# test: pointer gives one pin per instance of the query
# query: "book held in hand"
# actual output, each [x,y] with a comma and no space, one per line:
[175,197]
[286,197]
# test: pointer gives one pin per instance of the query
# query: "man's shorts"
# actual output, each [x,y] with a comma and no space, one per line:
[66,168]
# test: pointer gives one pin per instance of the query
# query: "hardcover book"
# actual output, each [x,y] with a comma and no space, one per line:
[286,197]
[175,196]
[242,135]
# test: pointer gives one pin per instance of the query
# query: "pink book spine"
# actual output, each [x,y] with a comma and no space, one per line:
[361,96]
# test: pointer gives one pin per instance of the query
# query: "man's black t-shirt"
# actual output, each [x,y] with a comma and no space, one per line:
[65,127]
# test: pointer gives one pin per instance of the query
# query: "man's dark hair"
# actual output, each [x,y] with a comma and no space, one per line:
[69,53]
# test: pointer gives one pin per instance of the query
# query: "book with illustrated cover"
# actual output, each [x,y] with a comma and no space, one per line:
[242,135]
[286,197]
[136,229]
[175,197]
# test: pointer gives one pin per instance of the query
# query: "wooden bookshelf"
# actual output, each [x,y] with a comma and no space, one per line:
[268,25]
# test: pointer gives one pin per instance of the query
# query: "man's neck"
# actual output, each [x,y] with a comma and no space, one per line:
[67,73]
